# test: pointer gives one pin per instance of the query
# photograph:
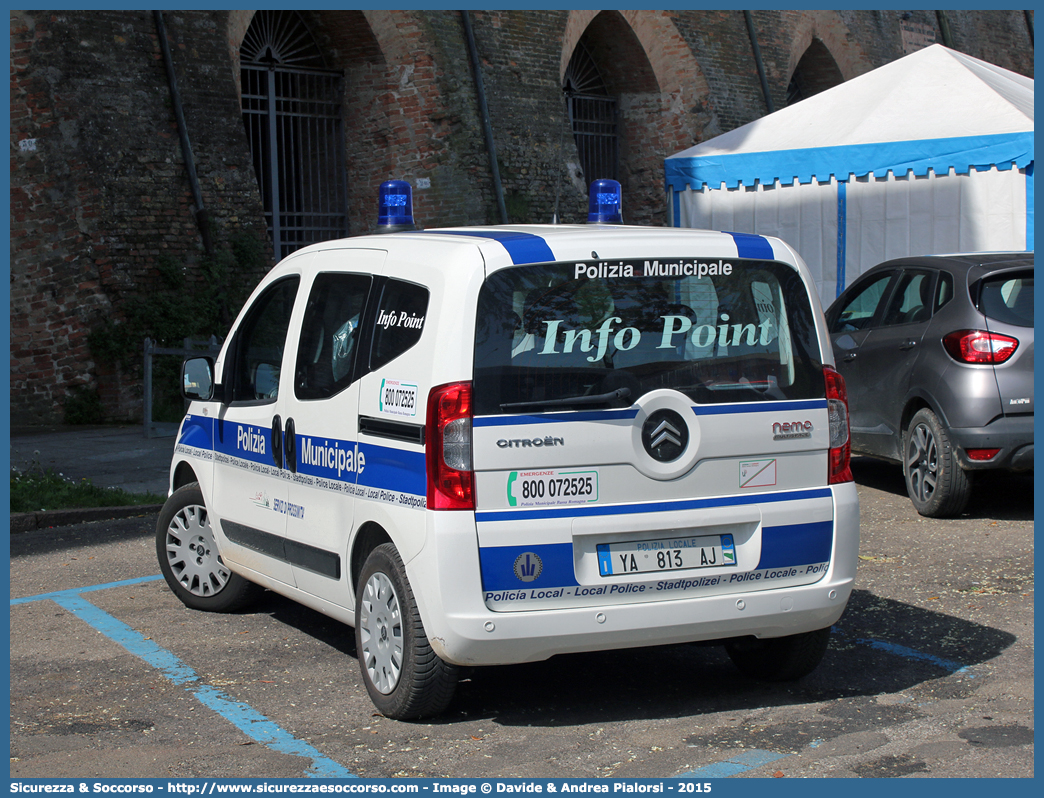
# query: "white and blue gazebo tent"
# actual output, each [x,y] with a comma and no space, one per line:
[931,153]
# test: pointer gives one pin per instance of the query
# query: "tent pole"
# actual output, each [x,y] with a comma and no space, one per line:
[842,233]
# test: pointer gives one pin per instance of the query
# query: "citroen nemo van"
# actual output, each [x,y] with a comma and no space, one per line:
[491,445]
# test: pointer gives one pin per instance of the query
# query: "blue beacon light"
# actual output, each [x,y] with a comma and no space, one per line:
[605,203]
[395,207]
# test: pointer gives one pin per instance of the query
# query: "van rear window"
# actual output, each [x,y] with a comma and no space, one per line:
[597,334]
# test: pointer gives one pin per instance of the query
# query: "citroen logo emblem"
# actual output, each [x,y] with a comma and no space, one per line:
[665,435]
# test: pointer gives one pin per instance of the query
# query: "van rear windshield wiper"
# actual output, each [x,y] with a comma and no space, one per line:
[586,399]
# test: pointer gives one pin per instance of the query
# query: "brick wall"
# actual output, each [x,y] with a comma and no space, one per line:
[99,189]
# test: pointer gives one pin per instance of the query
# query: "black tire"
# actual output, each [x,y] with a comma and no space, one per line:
[189,559]
[779,659]
[403,675]
[935,481]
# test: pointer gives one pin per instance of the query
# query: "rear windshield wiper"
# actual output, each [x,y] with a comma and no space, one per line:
[602,398]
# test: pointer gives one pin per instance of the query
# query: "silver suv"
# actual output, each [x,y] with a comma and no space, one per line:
[937,354]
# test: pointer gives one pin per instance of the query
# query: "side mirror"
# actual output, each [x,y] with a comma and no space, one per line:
[197,379]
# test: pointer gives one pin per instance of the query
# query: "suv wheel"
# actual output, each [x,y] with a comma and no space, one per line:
[403,675]
[779,659]
[189,559]
[938,486]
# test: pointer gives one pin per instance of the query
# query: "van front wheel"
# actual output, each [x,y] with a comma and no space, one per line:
[189,559]
[403,675]
[779,659]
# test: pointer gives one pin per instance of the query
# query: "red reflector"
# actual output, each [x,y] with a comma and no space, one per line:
[981,454]
[980,347]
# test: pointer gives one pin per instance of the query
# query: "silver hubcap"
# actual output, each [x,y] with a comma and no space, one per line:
[380,629]
[192,554]
[922,462]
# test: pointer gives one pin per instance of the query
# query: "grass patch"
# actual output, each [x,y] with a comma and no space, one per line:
[40,490]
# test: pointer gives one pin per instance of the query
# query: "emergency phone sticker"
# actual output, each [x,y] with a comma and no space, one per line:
[398,398]
[757,474]
[549,488]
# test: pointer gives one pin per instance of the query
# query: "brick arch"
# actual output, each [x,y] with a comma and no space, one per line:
[669,57]
[663,94]
[831,30]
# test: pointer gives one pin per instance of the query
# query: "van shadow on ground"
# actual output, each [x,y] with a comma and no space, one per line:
[879,647]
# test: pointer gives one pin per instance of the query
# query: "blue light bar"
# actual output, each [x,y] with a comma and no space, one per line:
[395,206]
[605,204]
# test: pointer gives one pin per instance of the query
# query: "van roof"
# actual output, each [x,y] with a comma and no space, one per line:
[512,245]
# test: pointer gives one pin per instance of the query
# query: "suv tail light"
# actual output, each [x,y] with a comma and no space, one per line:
[839,464]
[979,346]
[451,482]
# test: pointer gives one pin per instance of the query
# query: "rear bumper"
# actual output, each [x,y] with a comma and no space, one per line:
[1013,435]
[487,638]
[463,631]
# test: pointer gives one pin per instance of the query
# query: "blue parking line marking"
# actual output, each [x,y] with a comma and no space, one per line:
[911,653]
[908,653]
[242,716]
[78,590]
[741,762]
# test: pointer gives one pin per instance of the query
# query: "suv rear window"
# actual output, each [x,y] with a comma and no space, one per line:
[1008,298]
[569,336]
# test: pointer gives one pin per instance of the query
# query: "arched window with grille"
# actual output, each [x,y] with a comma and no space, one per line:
[593,116]
[292,112]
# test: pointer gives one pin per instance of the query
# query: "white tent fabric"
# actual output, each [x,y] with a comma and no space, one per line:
[930,153]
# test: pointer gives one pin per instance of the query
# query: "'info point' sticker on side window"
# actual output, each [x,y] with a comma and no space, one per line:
[757,473]
[398,398]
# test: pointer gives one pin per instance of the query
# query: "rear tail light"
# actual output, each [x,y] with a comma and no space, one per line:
[451,482]
[837,413]
[979,346]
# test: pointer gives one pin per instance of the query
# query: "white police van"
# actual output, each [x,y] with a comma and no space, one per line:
[492,445]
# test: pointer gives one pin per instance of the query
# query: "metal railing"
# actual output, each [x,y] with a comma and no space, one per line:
[191,347]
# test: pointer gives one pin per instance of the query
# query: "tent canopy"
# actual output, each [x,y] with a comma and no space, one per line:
[934,109]
[930,153]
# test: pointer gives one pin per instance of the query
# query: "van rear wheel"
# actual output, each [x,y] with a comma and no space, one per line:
[405,678]
[779,659]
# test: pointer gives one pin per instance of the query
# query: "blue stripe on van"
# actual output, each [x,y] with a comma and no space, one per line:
[522,247]
[550,418]
[632,412]
[760,407]
[796,544]
[652,507]
[752,246]
[786,546]
[386,467]
[197,431]
[498,566]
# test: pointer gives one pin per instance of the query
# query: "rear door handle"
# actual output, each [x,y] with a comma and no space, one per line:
[910,343]
[849,357]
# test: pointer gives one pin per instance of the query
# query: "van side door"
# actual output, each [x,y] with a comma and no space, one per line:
[249,485]
[323,455]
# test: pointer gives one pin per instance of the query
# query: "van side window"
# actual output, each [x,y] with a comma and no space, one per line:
[260,343]
[399,321]
[330,332]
